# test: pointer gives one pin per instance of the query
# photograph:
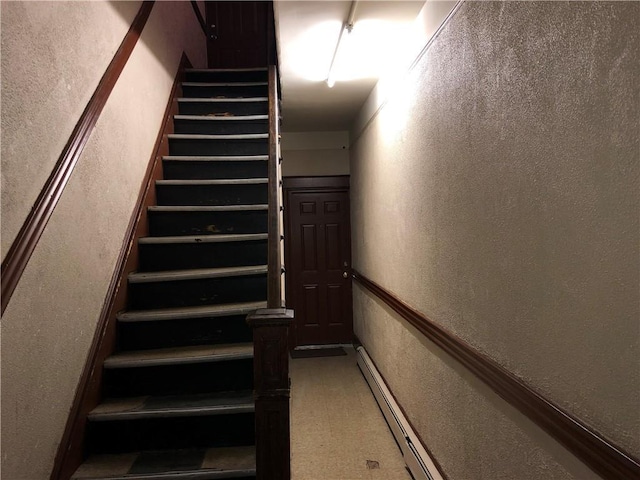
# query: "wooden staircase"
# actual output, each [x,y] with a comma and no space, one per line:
[179,399]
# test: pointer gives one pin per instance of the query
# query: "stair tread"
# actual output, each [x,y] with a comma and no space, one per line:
[216,158]
[223,99]
[202,311]
[237,118]
[233,181]
[180,355]
[206,208]
[195,274]
[224,84]
[252,69]
[173,406]
[238,136]
[243,237]
[216,463]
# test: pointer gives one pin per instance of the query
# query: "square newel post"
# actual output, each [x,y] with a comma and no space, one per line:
[271,392]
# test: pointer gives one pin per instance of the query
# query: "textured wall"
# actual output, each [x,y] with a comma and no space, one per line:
[50,321]
[497,192]
[315,153]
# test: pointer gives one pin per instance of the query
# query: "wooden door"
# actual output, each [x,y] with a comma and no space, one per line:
[318,265]
[237,34]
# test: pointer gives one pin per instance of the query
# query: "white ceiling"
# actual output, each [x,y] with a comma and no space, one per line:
[308,32]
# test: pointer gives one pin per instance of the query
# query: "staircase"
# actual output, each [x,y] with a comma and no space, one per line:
[178,392]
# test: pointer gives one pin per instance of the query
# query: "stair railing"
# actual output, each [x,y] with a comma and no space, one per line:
[271,326]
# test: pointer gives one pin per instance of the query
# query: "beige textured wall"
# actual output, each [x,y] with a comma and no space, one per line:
[315,153]
[497,193]
[50,321]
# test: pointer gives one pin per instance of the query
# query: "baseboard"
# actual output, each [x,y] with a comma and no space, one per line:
[416,457]
[88,393]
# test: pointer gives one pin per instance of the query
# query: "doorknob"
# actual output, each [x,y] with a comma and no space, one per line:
[345,275]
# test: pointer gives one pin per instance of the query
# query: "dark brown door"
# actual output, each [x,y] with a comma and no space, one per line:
[237,34]
[318,266]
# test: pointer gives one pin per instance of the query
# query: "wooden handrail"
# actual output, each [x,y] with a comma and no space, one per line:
[198,13]
[598,453]
[25,242]
[274,275]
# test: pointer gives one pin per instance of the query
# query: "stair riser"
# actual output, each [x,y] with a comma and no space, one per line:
[178,256]
[213,108]
[171,433]
[207,223]
[184,332]
[224,91]
[210,291]
[218,147]
[220,127]
[179,379]
[181,170]
[246,76]
[251,194]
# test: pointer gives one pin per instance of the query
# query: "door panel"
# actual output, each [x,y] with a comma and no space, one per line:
[319,257]
[237,34]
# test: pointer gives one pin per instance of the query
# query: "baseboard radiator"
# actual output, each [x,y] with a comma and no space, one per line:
[415,456]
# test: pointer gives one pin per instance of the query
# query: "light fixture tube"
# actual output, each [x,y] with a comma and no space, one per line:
[346,26]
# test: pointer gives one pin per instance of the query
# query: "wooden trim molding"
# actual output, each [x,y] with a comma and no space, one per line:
[601,455]
[198,13]
[25,242]
[88,393]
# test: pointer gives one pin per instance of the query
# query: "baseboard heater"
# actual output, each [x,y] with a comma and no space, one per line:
[415,456]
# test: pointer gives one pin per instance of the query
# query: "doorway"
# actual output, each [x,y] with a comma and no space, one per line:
[238,33]
[318,259]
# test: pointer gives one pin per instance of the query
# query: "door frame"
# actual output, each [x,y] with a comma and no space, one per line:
[298,184]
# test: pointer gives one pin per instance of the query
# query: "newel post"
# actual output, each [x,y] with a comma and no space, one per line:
[271,392]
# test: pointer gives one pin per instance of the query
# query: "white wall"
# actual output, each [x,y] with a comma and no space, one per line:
[53,56]
[496,191]
[315,153]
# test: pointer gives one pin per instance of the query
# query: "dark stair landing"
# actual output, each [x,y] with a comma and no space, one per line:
[178,391]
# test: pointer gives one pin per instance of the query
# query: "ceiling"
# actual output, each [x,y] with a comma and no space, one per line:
[308,32]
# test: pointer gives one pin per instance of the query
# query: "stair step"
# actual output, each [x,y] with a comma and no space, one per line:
[189,136]
[225,123]
[178,327]
[206,311]
[225,403]
[192,464]
[224,100]
[223,89]
[221,118]
[207,208]
[212,192]
[180,356]
[207,220]
[203,239]
[214,145]
[236,181]
[216,158]
[223,84]
[204,286]
[195,274]
[231,106]
[184,167]
[202,251]
[226,75]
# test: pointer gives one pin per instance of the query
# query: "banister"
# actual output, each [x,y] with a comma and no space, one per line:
[274,258]
[270,326]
